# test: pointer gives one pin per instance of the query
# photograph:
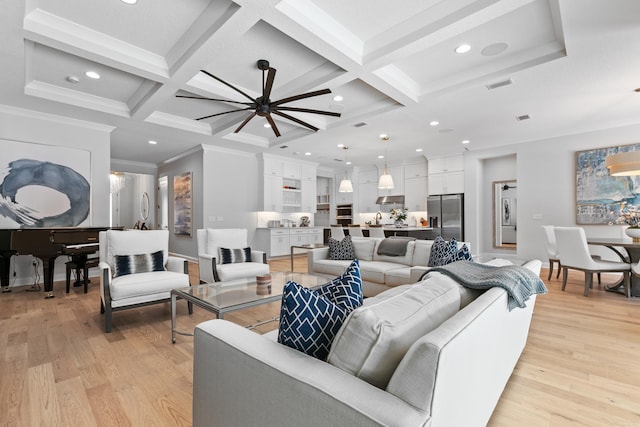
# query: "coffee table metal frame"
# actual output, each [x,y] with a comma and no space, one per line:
[279,279]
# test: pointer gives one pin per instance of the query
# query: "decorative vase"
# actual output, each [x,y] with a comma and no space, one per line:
[634,233]
[399,223]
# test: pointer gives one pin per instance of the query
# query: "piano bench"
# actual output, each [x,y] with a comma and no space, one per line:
[73,265]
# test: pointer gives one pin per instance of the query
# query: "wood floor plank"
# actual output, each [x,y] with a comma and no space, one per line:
[44,408]
[74,403]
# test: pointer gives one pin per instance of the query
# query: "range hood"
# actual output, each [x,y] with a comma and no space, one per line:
[390,200]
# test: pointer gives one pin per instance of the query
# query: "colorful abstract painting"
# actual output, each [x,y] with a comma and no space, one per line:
[182,204]
[599,195]
[43,185]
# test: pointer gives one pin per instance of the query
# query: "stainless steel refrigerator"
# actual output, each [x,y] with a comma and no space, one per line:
[446,216]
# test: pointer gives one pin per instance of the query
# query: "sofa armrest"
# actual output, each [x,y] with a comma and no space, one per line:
[416,273]
[268,384]
[177,264]
[258,256]
[314,255]
[205,266]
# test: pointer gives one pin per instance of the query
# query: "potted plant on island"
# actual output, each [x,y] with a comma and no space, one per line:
[399,216]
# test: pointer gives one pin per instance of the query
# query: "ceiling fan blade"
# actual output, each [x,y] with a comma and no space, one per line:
[226,112]
[302,96]
[273,125]
[266,92]
[251,116]
[230,85]
[293,119]
[213,99]
[307,110]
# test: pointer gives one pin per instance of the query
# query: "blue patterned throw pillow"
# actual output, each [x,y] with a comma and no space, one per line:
[346,289]
[442,251]
[341,249]
[462,254]
[142,263]
[308,321]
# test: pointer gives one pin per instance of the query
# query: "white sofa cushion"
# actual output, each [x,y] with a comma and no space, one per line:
[374,271]
[375,337]
[133,285]
[421,252]
[363,247]
[241,270]
[397,276]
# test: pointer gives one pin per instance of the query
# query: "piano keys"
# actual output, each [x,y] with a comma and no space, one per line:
[46,244]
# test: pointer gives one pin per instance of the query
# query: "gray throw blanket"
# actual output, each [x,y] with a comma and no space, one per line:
[394,246]
[519,282]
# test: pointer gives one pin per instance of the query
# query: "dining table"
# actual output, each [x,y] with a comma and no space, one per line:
[630,253]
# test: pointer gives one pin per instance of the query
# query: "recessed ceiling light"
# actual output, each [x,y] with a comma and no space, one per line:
[463,48]
[152,142]
[129,1]
[340,145]
[434,123]
[92,75]
[73,79]
[381,157]
[466,141]
[267,125]
[307,153]
[383,136]
[338,98]
[348,163]
[419,150]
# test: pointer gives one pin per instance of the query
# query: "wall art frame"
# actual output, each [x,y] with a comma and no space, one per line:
[598,195]
[44,185]
[182,205]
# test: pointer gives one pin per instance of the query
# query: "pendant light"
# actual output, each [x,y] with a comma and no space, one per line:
[345,185]
[386,180]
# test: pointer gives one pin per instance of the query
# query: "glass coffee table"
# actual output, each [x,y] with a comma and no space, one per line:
[224,297]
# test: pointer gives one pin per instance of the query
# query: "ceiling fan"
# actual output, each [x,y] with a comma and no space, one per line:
[263,106]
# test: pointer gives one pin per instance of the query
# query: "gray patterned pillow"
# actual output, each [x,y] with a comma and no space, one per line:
[341,249]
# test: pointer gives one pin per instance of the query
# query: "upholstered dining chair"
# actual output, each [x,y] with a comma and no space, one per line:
[136,270]
[224,254]
[574,254]
[552,251]
[337,232]
[376,232]
[355,231]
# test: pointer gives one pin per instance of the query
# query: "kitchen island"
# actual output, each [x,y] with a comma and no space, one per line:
[391,230]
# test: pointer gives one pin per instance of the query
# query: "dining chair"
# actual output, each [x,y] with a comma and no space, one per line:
[376,232]
[574,253]
[355,231]
[337,232]
[552,251]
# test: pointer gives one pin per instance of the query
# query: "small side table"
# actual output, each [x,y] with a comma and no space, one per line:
[305,248]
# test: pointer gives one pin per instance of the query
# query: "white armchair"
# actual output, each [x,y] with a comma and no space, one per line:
[211,268]
[136,270]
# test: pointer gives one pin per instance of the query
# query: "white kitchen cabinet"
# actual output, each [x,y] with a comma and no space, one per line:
[446,164]
[291,170]
[308,195]
[272,193]
[368,176]
[272,166]
[278,241]
[446,183]
[415,170]
[367,196]
[415,193]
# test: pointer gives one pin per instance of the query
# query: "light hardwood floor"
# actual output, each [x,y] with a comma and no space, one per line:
[581,365]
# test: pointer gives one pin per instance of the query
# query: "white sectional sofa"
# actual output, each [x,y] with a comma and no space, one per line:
[379,272]
[452,375]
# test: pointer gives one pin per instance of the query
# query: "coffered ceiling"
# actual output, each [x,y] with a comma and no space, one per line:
[571,66]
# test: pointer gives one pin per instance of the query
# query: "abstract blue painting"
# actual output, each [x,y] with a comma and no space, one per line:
[599,195]
[43,185]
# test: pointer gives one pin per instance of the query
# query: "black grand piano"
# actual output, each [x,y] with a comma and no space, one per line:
[46,244]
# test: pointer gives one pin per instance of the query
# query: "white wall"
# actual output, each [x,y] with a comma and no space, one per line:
[28,126]
[546,187]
